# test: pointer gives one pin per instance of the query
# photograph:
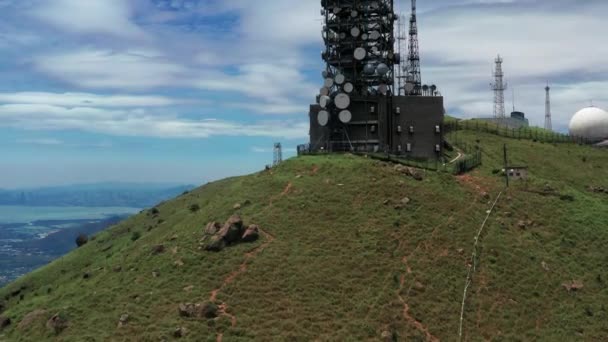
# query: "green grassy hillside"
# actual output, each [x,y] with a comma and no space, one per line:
[351,249]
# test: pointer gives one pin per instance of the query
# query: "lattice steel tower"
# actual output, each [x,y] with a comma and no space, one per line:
[499,86]
[278,154]
[414,55]
[548,124]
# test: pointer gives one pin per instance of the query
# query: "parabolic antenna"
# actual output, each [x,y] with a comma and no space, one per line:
[348,87]
[364,36]
[360,53]
[355,32]
[369,69]
[324,101]
[340,79]
[324,74]
[374,35]
[328,82]
[342,35]
[323,118]
[354,14]
[342,101]
[382,69]
[409,87]
[324,91]
[345,116]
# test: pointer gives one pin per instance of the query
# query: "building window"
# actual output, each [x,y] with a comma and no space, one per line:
[398,110]
[399,129]
[409,147]
[411,129]
[373,129]
[372,109]
[437,129]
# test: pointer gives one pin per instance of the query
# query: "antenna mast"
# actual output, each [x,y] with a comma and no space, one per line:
[402,50]
[414,55]
[278,154]
[499,86]
[548,125]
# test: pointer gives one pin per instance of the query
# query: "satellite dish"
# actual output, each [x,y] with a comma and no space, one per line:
[324,91]
[382,69]
[383,89]
[355,32]
[374,35]
[369,69]
[360,53]
[364,36]
[342,35]
[340,79]
[342,101]
[324,101]
[324,74]
[354,14]
[349,87]
[409,87]
[329,82]
[337,10]
[323,118]
[345,116]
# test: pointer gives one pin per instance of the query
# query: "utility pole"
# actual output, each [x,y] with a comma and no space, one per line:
[506,166]
[548,125]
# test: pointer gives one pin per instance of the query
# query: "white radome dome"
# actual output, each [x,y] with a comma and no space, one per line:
[590,123]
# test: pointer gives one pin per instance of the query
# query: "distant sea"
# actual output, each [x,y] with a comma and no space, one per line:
[21,214]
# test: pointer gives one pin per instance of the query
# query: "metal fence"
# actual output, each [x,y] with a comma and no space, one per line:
[528,133]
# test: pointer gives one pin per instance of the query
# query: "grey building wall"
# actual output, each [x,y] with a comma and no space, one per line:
[376,124]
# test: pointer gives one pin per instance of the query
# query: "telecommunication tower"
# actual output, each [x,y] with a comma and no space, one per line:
[499,86]
[278,154]
[402,72]
[548,124]
[415,77]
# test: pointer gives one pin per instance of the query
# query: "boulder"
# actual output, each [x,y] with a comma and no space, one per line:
[216,244]
[237,206]
[186,310]
[191,310]
[405,201]
[573,286]
[417,175]
[212,228]
[232,230]
[251,234]
[57,324]
[4,322]
[209,310]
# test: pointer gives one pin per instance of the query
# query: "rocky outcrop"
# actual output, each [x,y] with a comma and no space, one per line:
[158,249]
[4,322]
[34,317]
[232,232]
[192,310]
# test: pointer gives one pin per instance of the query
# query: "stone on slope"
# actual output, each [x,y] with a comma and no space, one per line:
[216,244]
[212,228]
[57,324]
[251,234]
[232,230]
[4,322]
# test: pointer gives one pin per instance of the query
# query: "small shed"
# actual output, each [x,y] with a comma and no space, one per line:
[517,172]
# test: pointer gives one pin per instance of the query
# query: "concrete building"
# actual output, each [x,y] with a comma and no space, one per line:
[517,120]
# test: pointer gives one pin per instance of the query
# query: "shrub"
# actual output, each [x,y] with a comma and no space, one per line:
[195,207]
[154,211]
[81,240]
[135,236]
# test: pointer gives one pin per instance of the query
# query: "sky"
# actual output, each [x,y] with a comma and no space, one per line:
[189,91]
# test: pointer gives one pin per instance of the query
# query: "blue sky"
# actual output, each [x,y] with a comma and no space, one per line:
[195,90]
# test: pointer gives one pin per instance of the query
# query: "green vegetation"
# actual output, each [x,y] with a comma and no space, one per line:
[355,249]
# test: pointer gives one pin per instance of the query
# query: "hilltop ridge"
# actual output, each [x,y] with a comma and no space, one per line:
[351,249]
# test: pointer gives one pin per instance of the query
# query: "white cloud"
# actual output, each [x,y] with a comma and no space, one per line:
[140,122]
[46,142]
[86,99]
[89,17]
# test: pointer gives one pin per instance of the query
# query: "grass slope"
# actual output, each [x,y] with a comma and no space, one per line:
[341,263]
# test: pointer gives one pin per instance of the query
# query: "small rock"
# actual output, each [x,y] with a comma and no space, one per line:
[460,250]
[386,336]
[57,324]
[485,195]
[522,224]
[237,206]
[4,322]
[174,237]
[86,275]
[251,234]
[155,274]
[405,201]
[545,266]
[117,268]
[386,202]
[298,176]
[174,250]
[186,310]
[178,263]
[419,286]
[180,332]
[158,249]
[189,288]
[124,318]
[340,184]
[212,228]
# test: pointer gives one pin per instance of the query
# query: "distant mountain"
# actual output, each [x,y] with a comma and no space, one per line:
[138,195]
